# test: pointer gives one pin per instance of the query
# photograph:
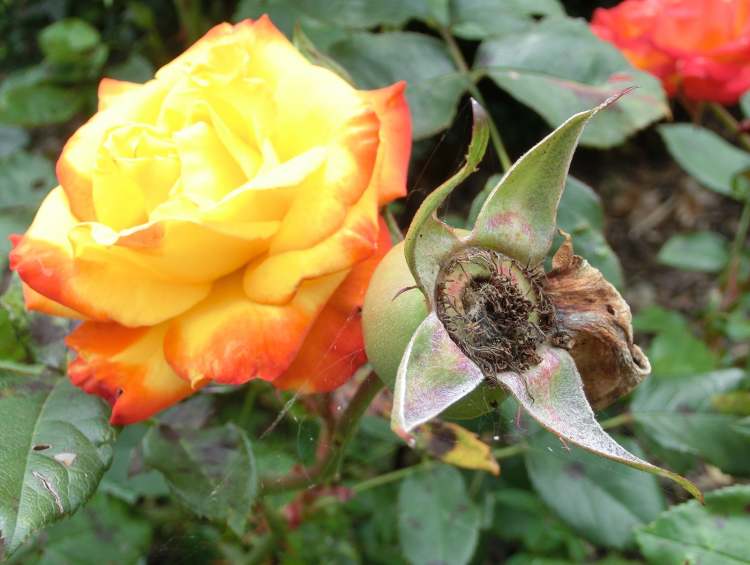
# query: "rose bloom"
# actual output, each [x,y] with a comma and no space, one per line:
[218,223]
[698,48]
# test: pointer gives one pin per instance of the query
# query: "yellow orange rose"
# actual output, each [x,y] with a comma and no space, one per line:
[218,223]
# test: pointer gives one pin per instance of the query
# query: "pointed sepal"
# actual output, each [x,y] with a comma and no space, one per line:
[434,373]
[552,393]
[520,215]
[429,240]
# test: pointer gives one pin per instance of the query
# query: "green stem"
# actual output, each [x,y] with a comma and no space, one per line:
[619,420]
[463,67]
[22,368]
[510,450]
[391,477]
[735,255]
[332,452]
[731,123]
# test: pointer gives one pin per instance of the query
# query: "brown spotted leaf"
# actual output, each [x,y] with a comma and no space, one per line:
[552,393]
[55,444]
[598,328]
[456,446]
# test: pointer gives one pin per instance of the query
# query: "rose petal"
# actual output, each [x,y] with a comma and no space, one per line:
[395,140]
[44,258]
[597,321]
[230,339]
[334,348]
[126,367]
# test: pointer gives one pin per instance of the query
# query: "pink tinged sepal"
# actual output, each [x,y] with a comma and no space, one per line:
[433,374]
[519,216]
[552,393]
[429,240]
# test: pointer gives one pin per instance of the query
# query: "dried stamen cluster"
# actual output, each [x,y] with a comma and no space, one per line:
[494,309]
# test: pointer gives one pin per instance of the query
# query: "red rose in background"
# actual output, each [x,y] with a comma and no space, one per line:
[698,48]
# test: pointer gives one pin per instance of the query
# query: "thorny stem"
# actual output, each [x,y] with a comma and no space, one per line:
[463,67]
[332,449]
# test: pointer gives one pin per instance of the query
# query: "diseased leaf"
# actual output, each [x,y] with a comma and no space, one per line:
[704,251]
[103,531]
[456,446]
[434,84]
[552,393]
[429,240]
[706,156]
[434,373]
[677,414]
[211,471]
[437,520]
[714,534]
[558,67]
[617,500]
[55,444]
[519,216]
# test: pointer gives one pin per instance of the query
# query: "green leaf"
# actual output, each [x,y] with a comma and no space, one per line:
[55,446]
[434,374]
[434,83]
[677,415]
[704,251]
[674,351]
[521,516]
[286,15]
[136,68]
[12,139]
[103,531]
[581,215]
[38,104]
[437,520]
[66,41]
[519,216]
[12,347]
[552,393]
[125,479]
[704,155]
[25,178]
[531,67]
[211,471]
[714,534]
[362,14]
[478,19]
[617,500]
[429,240]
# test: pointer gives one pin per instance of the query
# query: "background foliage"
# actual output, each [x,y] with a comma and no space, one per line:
[657,207]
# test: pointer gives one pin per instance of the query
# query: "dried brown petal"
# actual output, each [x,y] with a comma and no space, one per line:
[595,324]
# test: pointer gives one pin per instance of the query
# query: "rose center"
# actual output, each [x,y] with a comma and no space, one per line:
[494,309]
